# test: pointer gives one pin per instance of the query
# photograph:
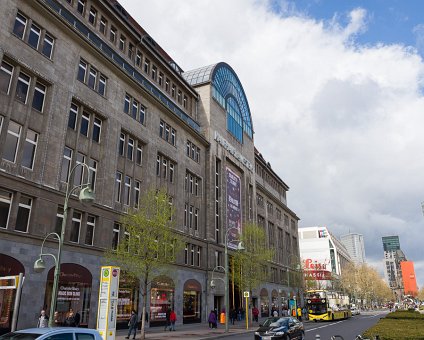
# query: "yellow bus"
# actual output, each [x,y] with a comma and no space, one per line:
[326,305]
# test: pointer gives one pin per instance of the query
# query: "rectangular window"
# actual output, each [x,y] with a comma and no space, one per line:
[138,58]
[160,79]
[130,51]
[171,172]
[146,66]
[103,25]
[85,122]
[79,171]
[92,167]
[24,213]
[186,254]
[161,129]
[22,87]
[73,114]
[130,149]
[92,16]
[81,6]
[190,217]
[139,154]
[122,41]
[5,205]
[137,187]
[82,69]
[192,255]
[30,147]
[127,190]
[185,101]
[92,78]
[142,115]
[118,183]
[134,110]
[154,72]
[127,102]
[121,149]
[196,219]
[75,227]
[89,234]
[59,220]
[158,162]
[198,260]
[179,96]
[66,164]
[97,129]
[115,236]
[20,26]
[185,215]
[173,89]
[6,72]
[39,95]
[173,139]
[48,46]
[112,36]
[12,141]
[165,167]
[34,36]
[196,186]
[102,85]
[167,85]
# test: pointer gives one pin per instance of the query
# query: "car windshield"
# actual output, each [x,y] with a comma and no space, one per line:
[280,323]
[20,336]
[269,321]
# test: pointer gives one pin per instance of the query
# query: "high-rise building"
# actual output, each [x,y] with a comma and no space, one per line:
[391,243]
[81,82]
[354,244]
[393,256]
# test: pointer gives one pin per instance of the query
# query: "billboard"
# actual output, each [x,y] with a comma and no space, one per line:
[409,279]
[233,208]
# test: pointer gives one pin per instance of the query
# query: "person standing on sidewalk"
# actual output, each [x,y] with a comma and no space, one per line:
[172,319]
[168,319]
[255,313]
[212,319]
[132,324]
[43,320]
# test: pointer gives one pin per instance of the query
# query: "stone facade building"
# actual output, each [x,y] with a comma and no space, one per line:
[82,82]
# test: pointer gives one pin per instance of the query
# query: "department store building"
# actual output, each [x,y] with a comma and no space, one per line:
[82,82]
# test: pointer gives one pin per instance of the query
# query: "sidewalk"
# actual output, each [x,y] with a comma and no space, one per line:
[194,331]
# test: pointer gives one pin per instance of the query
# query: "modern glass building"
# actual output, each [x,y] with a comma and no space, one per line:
[354,244]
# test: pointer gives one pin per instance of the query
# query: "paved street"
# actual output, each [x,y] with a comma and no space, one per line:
[348,329]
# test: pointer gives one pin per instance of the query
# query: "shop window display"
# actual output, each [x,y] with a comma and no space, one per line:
[127,299]
[162,298]
[192,298]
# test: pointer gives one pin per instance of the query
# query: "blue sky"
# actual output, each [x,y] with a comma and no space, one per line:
[388,21]
[335,92]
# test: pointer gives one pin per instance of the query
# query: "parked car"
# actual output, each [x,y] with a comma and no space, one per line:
[355,310]
[280,328]
[59,333]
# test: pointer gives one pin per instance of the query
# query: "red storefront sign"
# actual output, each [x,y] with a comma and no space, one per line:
[317,275]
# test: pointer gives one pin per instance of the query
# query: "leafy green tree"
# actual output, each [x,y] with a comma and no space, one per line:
[250,264]
[150,244]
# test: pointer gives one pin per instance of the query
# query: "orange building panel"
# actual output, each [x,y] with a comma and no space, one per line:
[408,277]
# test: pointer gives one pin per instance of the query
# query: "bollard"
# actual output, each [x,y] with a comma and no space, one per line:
[317,337]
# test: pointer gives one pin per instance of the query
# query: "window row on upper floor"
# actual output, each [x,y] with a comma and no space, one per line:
[262,173]
[131,50]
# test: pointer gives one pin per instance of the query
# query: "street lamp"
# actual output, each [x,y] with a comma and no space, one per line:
[226,281]
[86,195]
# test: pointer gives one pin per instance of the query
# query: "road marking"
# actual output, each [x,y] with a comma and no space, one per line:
[327,325]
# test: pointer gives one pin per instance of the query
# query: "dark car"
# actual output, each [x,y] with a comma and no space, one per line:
[280,328]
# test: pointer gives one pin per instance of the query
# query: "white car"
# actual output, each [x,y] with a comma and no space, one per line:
[355,311]
[59,333]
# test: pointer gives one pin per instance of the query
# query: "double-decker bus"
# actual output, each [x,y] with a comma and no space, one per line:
[327,305]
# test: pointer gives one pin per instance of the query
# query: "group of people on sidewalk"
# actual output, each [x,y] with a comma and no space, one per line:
[71,319]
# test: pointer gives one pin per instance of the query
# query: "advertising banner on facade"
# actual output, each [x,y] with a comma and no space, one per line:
[108,301]
[233,208]
[317,275]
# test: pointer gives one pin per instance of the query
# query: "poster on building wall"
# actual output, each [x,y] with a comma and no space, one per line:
[233,208]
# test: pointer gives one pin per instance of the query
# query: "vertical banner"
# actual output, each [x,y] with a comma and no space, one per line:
[233,208]
[108,301]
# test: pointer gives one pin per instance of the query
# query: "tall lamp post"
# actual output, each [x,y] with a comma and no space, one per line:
[226,281]
[86,195]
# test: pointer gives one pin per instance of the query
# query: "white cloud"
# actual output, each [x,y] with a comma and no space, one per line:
[341,123]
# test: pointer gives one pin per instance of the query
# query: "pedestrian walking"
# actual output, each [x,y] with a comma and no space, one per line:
[168,319]
[56,321]
[274,313]
[299,313]
[132,324]
[255,313]
[172,318]
[233,316]
[43,320]
[70,318]
[212,319]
